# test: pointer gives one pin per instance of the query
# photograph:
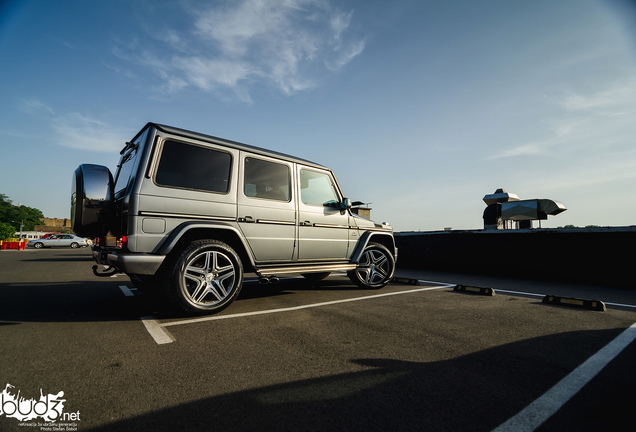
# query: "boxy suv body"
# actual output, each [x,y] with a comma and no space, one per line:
[187,214]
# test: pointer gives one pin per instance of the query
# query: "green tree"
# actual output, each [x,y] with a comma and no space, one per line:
[16,215]
[6,231]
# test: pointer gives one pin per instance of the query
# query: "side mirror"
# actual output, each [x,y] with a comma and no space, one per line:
[345,204]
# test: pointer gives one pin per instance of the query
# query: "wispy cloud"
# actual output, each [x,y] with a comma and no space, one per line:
[604,118]
[63,42]
[35,106]
[75,130]
[252,42]
[86,133]
[615,101]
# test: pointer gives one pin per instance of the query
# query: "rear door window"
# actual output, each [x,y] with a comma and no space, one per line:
[267,180]
[188,166]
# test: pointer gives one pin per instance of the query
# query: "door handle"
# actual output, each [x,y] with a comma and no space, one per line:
[306,223]
[249,219]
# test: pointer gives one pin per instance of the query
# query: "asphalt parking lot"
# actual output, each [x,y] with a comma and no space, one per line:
[305,357]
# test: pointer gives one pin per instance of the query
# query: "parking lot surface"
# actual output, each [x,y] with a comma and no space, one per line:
[316,357]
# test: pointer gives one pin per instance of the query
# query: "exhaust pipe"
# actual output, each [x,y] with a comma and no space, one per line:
[265,280]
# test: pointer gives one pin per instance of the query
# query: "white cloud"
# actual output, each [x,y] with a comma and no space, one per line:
[76,130]
[241,44]
[531,149]
[596,120]
[614,101]
[346,56]
[35,106]
[86,133]
[339,23]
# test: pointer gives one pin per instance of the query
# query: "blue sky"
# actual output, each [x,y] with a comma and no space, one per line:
[420,107]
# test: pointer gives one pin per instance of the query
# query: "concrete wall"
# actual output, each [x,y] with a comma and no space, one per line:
[603,256]
[55,222]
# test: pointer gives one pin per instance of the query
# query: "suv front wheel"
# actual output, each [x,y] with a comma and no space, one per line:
[375,268]
[205,277]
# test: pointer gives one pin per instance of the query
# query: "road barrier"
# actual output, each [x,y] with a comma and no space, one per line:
[10,244]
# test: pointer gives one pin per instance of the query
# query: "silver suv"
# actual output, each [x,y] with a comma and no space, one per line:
[187,214]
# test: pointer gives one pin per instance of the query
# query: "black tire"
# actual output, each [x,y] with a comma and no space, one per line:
[74,245]
[38,245]
[314,277]
[204,278]
[375,268]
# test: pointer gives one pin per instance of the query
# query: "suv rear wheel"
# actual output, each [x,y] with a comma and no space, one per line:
[375,268]
[205,277]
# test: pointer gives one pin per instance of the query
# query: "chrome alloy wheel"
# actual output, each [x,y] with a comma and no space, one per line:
[209,278]
[374,267]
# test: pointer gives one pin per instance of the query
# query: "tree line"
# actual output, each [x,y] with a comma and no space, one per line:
[12,216]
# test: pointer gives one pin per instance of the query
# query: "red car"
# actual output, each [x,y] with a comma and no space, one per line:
[47,235]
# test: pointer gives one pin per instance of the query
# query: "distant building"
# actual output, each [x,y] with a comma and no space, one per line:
[54,225]
[29,235]
[365,212]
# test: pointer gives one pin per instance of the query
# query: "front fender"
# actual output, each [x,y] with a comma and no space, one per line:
[385,239]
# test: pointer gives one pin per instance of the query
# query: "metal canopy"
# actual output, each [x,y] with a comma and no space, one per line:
[500,196]
[534,209]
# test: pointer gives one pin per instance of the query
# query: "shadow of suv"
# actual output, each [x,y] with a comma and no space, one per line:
[187,214]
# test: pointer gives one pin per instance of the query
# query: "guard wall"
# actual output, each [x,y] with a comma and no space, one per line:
[599,256]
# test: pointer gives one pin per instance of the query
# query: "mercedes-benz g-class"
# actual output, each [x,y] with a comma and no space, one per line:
[187,214]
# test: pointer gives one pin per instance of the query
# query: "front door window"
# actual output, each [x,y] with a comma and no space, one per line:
[323,228]
[317,189]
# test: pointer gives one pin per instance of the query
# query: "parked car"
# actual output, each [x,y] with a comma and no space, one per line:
[186,214]
[47,235]
[58,240]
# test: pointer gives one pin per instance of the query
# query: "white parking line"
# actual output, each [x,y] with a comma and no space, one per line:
[533,416]
[520,293]
[158,332]
[619,305]
[127,291]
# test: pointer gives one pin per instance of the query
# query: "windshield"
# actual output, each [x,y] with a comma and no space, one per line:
[127,163]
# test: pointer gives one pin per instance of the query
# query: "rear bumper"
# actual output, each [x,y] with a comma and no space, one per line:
[129,263]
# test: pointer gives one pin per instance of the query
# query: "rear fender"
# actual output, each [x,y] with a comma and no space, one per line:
[192,231]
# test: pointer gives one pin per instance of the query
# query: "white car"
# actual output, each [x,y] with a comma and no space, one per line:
[58,240]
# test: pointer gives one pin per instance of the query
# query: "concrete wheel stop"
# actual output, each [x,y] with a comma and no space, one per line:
[575,302]
[474,290]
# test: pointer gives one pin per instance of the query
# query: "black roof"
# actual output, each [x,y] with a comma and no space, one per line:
[233,144]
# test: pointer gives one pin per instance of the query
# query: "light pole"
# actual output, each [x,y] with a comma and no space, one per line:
[21,226]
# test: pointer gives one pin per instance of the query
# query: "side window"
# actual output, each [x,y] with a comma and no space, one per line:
[125,169]
[268,180]
[127,164]
[193,167]
[317,188]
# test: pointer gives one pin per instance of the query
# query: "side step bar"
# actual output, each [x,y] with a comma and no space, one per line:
[274,271]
